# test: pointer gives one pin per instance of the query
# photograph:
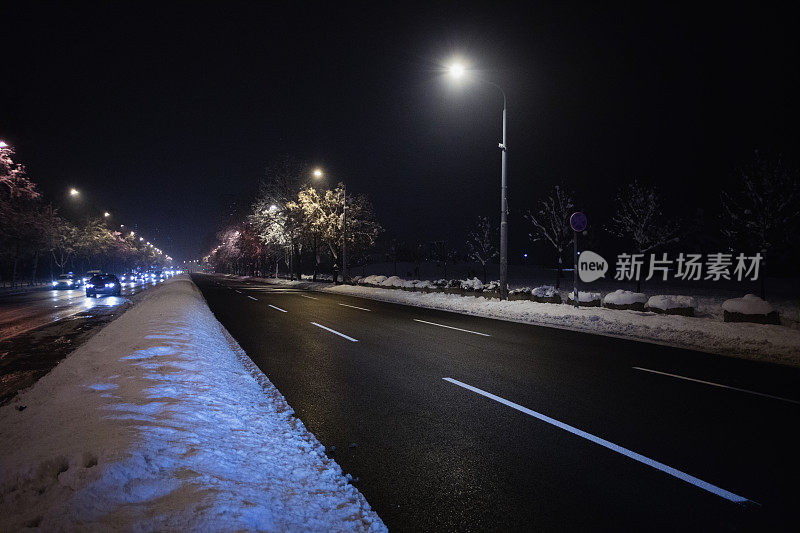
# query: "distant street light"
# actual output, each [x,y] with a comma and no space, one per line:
[318,174]
[133,234]
[141,239]
[73,192]
[106,214]
[457,70]
[3,144]
[272,208]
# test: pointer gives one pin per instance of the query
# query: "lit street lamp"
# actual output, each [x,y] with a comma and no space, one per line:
[3,144]
[318,174]
[457,70]
[106,214]
[73,192]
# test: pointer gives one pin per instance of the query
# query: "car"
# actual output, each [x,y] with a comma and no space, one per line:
[129,277]
[90,273]
[67,281]
[103,284]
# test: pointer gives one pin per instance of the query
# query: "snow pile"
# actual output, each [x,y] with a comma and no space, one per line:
[621,297]
[395,281]
[669,301]
[473,284]
[585,296]
[749,304]
[373,280]
[160,422]
[545,291]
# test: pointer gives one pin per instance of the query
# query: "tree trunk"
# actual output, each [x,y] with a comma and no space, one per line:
[35,265]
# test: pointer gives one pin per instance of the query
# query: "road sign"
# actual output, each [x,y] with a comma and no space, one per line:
[578,221]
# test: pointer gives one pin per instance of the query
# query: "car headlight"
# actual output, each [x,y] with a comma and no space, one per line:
[110,285]
[90,285]
[55,283]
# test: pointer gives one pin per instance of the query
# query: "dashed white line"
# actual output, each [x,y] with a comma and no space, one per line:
[335,332]
[452,327]
[278,308]
[306,296]
[237,290]
[256,299]
[356,307]
[613,447]
[720,385]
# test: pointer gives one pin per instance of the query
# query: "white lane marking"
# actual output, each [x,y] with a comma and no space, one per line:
[452,327]
[256,299]
[335,332]
[309,297]
[237,290]
[717,385]
[278,308]
[611,446]
[355,307]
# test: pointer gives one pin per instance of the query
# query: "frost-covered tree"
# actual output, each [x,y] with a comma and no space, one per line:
[550,224]
[19,206]
[482,243]
[362,225]
[640,219]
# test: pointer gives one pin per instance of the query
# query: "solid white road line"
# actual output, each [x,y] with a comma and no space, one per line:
[335,332]
[451,327]
[309,297]
[278,308]
[716,385]
[355,307]
[611,446]
[256,299]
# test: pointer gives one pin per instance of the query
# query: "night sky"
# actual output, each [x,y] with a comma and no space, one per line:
[167,113]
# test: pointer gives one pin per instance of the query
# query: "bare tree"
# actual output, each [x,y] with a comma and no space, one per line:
[640,218]
[481,243]
[763,212]
[551,224]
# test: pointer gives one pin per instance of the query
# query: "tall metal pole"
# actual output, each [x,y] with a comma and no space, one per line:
[344,234]
[503,212]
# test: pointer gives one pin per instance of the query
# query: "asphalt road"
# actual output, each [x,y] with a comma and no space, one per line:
[535,429]
[28,310]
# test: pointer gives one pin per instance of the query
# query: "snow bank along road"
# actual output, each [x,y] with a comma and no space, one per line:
[448,421]
[161,423]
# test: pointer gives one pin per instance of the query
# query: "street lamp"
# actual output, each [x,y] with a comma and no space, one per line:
[73,192]
[106,214]
[457,70]
[318,174]
[3,144]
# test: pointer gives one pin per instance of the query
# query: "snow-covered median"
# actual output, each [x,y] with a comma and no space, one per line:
[751,341]
[160,422]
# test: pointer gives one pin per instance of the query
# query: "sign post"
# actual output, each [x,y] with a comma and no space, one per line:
[578,223]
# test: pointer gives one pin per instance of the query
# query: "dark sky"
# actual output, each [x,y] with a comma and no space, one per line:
[162,112]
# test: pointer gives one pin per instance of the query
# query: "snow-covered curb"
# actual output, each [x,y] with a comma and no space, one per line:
[160,422]
[749,341]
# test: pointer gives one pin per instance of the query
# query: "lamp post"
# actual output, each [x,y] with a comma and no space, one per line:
[318,173]
[458,70]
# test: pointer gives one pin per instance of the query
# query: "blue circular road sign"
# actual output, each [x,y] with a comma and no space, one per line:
[578,221]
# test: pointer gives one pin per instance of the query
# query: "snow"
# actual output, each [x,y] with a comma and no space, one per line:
[161,422]
[373,280]
[473,284]
[749,304]
[750,341]
[545,291]
[671,301]
[395,281]
[585,296]
[621,297]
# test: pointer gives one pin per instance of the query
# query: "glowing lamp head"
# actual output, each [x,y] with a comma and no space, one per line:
[3,144]
[318,173]
[73,192]
[272,208]
[106,214]
[456,70]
